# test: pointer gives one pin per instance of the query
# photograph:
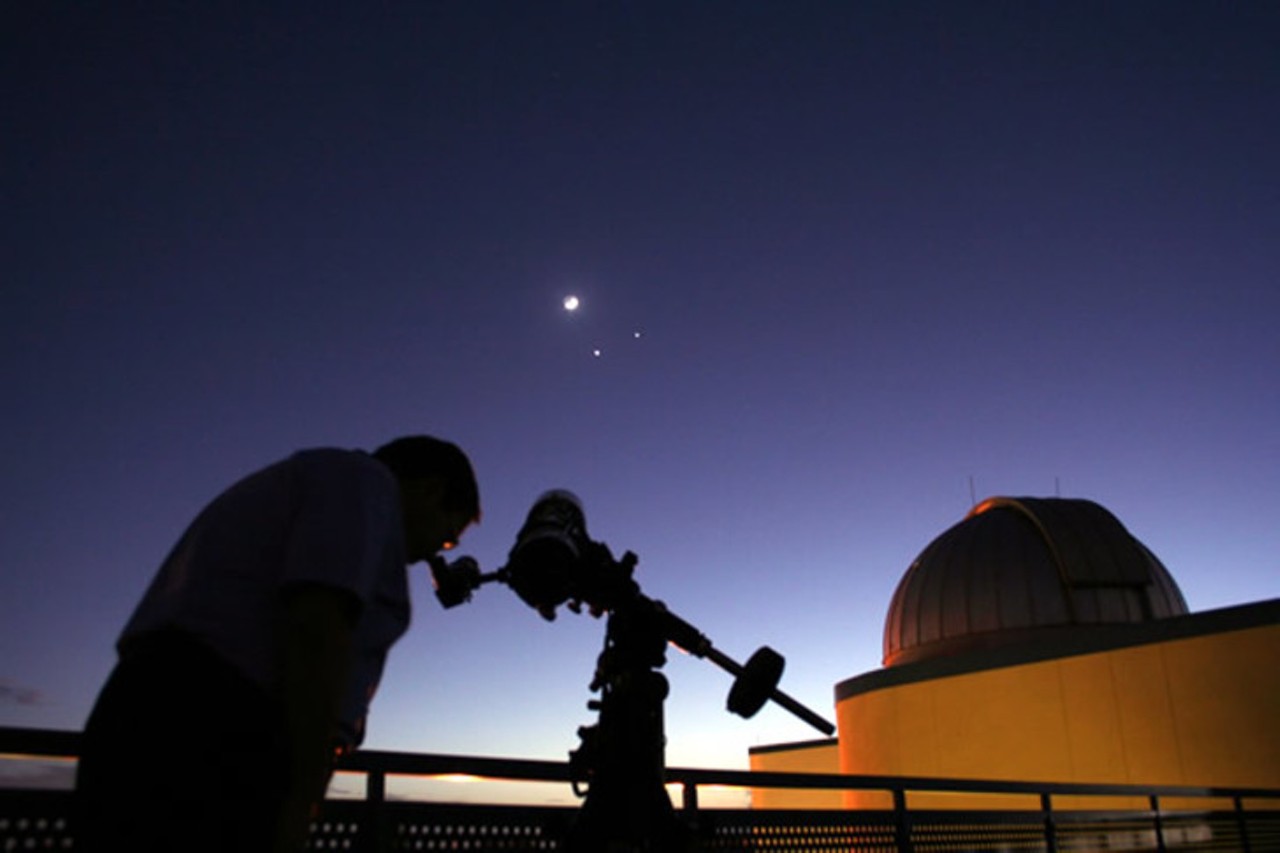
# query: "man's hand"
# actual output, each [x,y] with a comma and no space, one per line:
[313,636]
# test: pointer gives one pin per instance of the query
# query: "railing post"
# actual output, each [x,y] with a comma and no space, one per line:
[1242,822]
[1050,825]
[902,820]
[689,808]
[375,796]
[1155,810]
[689,798]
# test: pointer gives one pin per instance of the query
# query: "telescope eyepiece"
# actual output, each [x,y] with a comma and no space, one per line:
[454,581]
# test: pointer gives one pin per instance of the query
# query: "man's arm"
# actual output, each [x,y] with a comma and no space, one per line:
[313,636]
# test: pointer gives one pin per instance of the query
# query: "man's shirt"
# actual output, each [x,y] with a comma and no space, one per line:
[325,516]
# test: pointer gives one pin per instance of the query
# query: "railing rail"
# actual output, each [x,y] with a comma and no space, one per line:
[1251,824]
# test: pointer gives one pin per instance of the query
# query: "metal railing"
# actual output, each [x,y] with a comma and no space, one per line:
[1058,817]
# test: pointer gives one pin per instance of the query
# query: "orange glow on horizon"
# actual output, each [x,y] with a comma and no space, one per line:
[22,756]
[464,778]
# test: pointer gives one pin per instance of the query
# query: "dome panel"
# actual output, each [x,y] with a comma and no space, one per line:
[1014,568]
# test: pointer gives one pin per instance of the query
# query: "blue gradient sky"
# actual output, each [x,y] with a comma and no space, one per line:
[874,250]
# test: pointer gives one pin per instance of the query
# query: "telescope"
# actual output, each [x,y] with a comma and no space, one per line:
[555,562]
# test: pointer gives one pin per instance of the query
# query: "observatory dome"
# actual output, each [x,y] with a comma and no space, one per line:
[1019,570]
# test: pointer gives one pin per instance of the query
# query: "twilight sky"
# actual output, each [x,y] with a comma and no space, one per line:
[872,250]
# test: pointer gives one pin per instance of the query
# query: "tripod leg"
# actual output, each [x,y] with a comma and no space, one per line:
[627,807]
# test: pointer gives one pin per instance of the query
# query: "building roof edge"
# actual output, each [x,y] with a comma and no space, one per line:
[792,746]
[1068,641]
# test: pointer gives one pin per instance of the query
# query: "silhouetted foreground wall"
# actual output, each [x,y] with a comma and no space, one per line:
[1236,819]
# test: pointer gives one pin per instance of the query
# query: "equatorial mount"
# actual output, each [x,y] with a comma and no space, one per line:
[554,562]
[621,757]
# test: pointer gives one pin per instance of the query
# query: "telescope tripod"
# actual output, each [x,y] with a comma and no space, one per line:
[622,756]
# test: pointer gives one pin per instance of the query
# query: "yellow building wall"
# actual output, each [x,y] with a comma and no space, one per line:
[1199,711]
[824,758]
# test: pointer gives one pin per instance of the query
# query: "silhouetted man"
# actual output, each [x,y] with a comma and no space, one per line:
[254,653]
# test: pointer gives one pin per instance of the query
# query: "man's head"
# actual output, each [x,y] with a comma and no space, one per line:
[438,492]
